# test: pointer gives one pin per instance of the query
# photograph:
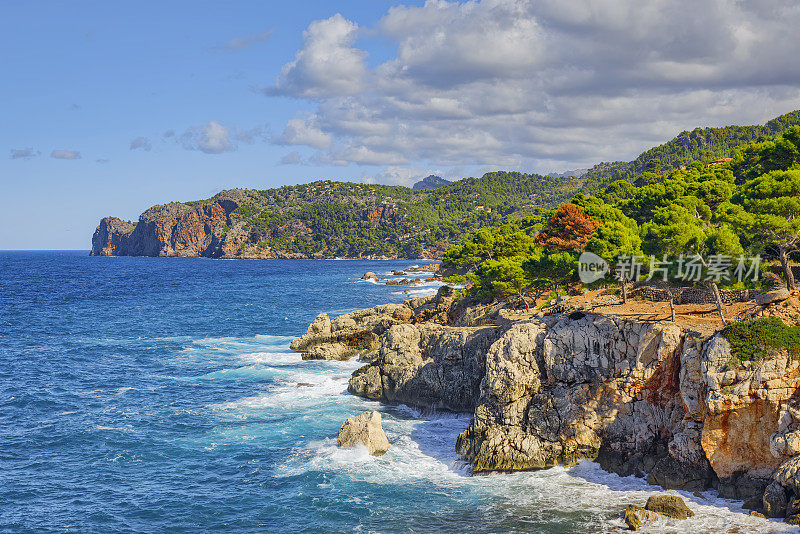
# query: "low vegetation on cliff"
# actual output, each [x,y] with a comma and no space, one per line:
[762,338]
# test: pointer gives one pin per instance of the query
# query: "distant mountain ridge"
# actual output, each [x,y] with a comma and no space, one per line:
[430,182]
[701,144]
[327,219]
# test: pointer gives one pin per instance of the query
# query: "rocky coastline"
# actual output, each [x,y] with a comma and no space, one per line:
[223,227]
[656,400]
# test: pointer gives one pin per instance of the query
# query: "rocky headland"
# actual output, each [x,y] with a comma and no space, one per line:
[659,400]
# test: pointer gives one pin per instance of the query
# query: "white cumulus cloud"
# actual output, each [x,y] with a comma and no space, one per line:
[216,138]
[538,85]
[23,153]
[327,64]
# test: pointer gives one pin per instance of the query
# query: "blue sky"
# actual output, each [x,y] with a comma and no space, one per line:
[110,107]
[90,77]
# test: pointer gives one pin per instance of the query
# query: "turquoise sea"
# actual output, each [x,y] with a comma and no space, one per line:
[160,395]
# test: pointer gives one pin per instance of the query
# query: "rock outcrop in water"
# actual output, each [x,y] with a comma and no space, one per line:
[357,334]
[364,429]
[649,399]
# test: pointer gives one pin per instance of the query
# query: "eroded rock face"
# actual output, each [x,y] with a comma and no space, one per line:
[427,365]
[647,399]
[173,229]
[349,335]
[748,416]
[110,235]
[592,383]
[364,429]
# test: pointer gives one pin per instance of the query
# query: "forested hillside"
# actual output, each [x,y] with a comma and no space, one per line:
[326,219]
[703,145]
[709,225]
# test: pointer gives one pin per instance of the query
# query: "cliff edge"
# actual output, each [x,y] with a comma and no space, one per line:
[174,229]
[656,400]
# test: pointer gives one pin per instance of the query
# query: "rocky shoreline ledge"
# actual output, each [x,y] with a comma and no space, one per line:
[655,400]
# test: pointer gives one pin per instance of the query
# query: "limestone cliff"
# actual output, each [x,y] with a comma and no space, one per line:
[654,400]
[173,229]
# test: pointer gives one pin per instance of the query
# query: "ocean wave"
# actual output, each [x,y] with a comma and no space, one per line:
[272,358]
[422,450]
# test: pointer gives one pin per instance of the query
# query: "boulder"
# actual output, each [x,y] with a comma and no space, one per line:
[321,325]
[364,429]
[370,276]
[366,382]
[774,500]
[793,508]
[399,273]
[769,297]
[669,505]
[392,282]
[788,474]
[636,516]
[793,519]
[755,513]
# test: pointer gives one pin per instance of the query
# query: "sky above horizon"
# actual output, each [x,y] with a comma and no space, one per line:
[109,108]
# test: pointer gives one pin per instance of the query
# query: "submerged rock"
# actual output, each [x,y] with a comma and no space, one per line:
[364,429]
[636,517]
[669,506]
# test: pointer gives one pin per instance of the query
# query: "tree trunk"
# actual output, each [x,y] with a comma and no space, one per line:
[671,303]
[787,270]
[718,301]
[624,291]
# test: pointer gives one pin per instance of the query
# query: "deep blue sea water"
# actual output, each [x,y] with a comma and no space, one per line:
[159,395]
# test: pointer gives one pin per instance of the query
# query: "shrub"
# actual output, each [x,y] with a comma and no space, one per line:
[757,339]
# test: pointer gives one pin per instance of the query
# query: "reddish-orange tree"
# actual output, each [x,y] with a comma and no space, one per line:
[568,229]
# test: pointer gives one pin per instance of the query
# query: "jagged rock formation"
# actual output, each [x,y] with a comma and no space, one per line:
[349,335]
[357,334]
[427,365]
[364,429]
[173,229]
[654,400]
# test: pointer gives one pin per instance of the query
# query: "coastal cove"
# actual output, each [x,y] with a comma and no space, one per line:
[143,394]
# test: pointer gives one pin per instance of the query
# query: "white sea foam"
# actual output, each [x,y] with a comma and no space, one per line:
[272,358]
[311,395]
[422,450]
